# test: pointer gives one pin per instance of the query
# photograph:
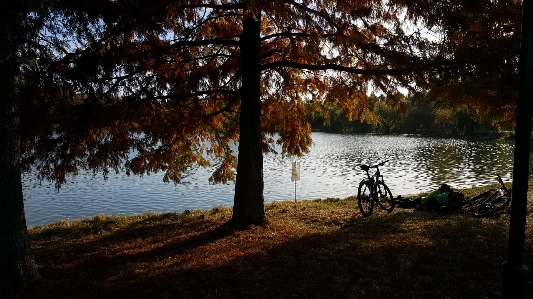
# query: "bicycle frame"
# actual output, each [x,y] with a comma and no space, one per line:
[375,177]
[498,192]
[495,194]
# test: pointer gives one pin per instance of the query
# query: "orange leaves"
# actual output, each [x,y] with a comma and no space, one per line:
[224,172]
[163,79]
[287,118]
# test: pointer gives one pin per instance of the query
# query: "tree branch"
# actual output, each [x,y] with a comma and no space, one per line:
[190,95]
[197,43]
[352,70]
[226,108]
[215,6]
[286,34]
[333,67]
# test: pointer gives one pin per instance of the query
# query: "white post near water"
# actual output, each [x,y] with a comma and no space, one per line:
[295,175]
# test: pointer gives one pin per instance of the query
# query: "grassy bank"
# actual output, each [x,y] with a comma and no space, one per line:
[309,249]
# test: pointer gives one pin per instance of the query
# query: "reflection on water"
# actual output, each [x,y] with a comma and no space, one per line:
[416,164]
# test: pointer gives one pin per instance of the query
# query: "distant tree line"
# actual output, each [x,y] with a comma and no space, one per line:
[408,116]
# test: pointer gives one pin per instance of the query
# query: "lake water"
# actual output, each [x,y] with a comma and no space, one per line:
[416,164]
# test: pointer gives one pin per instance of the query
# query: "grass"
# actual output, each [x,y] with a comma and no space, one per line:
[308,249]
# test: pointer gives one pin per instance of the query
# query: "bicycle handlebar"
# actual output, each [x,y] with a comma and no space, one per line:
[383,163]
[366,167]
[501,181]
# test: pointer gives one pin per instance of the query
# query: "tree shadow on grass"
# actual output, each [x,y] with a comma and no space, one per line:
[400,255]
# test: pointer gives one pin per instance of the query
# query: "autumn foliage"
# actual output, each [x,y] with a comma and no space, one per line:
[157,85]
[166,85]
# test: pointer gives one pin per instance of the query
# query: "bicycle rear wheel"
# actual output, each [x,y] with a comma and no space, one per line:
[384,199]
[364,199]
[492,206]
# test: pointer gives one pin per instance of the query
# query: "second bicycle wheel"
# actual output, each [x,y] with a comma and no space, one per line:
[384,199]
[492,206]
[364,200]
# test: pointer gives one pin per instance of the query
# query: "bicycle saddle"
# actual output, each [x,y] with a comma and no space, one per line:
[365,167]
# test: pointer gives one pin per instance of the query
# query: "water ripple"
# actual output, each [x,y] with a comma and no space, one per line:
[331,169]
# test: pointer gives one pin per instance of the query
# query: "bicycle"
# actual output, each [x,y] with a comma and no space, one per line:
[491,201]
[373,190]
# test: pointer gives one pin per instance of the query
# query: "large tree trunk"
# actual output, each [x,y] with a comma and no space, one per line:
[17,266]
[249,202]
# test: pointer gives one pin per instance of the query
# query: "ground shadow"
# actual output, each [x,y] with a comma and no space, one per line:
[363,258]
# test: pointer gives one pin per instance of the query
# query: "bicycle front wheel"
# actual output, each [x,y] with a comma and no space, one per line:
[492,206]
[364,198]
[384,197]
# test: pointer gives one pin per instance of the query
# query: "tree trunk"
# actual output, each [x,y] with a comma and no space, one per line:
[248,201]
[17,266]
